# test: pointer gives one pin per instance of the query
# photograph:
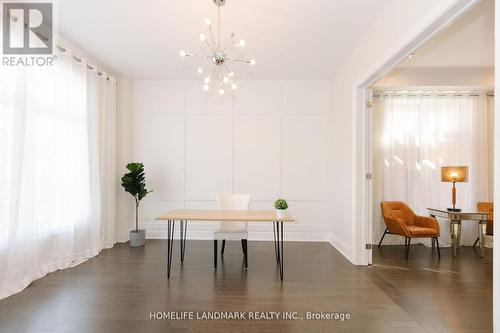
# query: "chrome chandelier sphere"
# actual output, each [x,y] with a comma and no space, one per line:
[220,74]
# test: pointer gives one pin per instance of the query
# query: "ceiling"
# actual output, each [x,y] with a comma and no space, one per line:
[292,39]
[467,43]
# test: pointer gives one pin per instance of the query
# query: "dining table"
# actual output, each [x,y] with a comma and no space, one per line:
[184,216]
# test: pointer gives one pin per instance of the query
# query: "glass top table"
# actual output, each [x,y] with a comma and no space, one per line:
[456,219]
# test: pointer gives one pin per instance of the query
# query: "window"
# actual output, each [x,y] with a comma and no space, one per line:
[423,132]
[44,150]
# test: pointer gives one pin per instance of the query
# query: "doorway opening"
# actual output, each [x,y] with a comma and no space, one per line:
[429,107]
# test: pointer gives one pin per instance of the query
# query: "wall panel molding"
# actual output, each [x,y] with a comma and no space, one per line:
[268,139]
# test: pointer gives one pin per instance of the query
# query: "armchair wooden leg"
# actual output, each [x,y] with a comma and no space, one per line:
[381,239]
[223,246]
[437,245]
[215,253]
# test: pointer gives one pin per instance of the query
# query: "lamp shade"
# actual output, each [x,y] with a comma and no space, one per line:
[459,174]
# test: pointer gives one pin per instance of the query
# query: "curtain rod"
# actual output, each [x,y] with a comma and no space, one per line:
[438,93]
[429,95]
[422,90]
[63,49]
[78,59]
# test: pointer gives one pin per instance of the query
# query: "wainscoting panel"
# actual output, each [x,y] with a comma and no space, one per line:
[208,154]
[268,139]
[304,151]
[154,99]
[254,98]
[317,101]
[199,102]
[256,155]
[160,148]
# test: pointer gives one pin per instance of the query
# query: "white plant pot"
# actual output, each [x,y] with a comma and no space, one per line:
[280,214]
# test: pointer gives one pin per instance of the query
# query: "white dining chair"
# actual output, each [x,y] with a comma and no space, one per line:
[232,230]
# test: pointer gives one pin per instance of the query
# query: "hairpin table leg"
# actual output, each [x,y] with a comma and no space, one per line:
[279,246]
[170,242]
[183,239]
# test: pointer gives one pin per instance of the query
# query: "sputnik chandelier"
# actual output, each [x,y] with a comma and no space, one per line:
[220,75]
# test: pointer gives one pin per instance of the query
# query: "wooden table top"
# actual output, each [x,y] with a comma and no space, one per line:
[224,215]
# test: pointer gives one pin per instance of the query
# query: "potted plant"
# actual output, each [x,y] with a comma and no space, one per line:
[134,182]
[281,205]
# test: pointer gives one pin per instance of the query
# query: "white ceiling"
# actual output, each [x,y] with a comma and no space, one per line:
[467,43]
[290,39]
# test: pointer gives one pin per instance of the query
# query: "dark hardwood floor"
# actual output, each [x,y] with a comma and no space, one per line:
[117,290]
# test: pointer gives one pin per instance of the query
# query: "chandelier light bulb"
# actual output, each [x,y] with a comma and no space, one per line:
[182,53]
[252,62]
[242,43]
[226,79]
[234,86]
[200,70]
[205,87]
[207,80]
[203,37]
[207,21]
[221,91]
[231,74]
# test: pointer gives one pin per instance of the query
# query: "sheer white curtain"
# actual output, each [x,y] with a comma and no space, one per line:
[101,99]
[423,132]
[57,155]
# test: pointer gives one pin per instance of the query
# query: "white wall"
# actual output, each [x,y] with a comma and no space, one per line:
[392,32]
[269,139]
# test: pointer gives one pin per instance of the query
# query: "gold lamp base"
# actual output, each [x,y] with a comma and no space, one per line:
[454,200]
[454,174]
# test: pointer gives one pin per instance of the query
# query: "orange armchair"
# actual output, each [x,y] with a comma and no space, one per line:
[401,220]
[486,207]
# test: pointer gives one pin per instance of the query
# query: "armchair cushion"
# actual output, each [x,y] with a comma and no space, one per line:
[416,231]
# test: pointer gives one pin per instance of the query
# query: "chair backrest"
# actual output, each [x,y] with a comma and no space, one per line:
[485,207]
[230,201]
[398,209]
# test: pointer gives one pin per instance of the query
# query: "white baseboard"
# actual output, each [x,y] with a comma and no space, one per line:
[344,248]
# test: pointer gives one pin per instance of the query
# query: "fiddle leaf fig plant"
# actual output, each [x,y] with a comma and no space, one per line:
[134,182]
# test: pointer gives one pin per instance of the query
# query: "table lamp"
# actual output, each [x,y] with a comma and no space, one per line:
[454,174]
